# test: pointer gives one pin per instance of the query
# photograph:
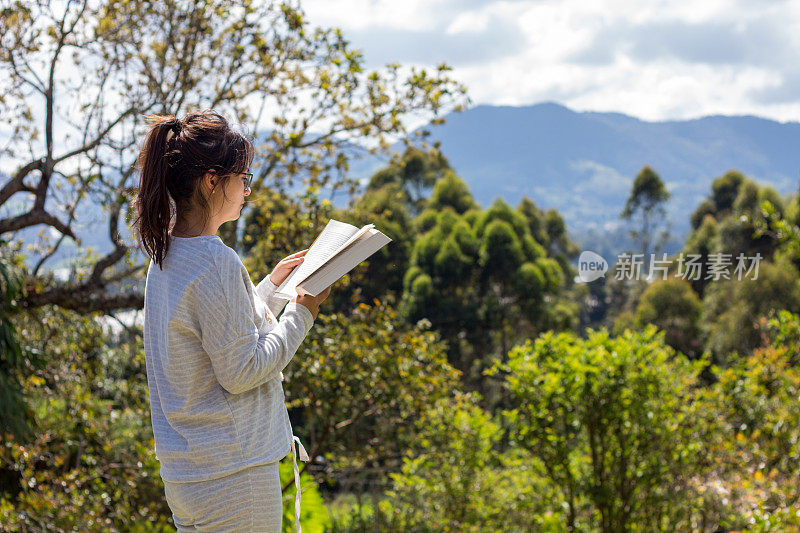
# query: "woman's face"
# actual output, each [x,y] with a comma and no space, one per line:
[229,206]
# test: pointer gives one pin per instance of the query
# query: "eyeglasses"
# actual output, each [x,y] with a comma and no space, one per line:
[248,179]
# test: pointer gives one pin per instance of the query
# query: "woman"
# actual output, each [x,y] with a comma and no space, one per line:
[214,349]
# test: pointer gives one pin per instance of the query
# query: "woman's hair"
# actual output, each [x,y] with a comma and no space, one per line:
[176,155]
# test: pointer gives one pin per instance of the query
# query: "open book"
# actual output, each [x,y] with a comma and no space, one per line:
[335,252]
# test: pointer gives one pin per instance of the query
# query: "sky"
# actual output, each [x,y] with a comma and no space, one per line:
[656,60]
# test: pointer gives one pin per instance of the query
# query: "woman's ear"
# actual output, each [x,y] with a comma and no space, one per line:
[210,179]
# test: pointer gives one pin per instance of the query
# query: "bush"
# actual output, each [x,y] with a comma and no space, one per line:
[455,478]
[608,418]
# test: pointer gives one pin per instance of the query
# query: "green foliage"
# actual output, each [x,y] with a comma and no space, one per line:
[530,281]
[751,429]
[747,198]
[501,252]
[559,245]
[482,278]
[414,172]
[783,229]
[451,191]
[607,418]
[317,101]
[450,261]
[280,225]
[314,517]
[703,242]
[501,211]
[725,189]
[355,380]
[647,192]
[732,308]
[646,202]
[426,221]
[355,513]
[16,417]
[675,308]
[535,219]
[553,274]
[383,272]
[454,477]
[707,207]
[731,219]
[735,222]
[91,465]
[533,250]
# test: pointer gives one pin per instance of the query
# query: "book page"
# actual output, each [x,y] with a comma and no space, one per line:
[357,235]
[359,250]
[332,238]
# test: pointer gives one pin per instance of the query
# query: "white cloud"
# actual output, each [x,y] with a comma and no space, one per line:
[411,15]
[655,60]
[468,22]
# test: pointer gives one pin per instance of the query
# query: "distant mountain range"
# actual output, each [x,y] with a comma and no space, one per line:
[583,164]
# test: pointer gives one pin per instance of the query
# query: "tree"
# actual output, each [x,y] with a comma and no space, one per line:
[675,308]
[451,191]
[701,243]
[137,58]
[482,279]
[607,418]
[279,224]
[415,172]
[732,308]
[90,465]
[646,202]
[381,274]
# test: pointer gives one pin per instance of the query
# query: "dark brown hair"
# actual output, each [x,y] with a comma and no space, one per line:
[172,166]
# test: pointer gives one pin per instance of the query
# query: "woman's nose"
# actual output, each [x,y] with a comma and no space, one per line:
[247,191]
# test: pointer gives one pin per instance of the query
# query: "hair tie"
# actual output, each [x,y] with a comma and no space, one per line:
[175,128]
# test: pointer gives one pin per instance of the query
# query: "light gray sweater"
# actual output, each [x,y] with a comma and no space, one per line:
[214,351]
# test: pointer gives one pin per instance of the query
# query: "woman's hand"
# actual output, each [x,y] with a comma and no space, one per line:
[312,302]
[285,267]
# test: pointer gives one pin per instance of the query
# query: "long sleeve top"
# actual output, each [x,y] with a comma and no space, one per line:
[214,352]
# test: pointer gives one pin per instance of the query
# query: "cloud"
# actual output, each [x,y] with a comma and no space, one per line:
[752,42]
[667,59]
[471,41]
[786,90]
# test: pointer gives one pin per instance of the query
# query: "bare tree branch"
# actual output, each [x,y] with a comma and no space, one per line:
[32,218]
[84,300]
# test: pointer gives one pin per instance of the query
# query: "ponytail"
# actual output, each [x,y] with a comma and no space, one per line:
[174,158]
[153,206]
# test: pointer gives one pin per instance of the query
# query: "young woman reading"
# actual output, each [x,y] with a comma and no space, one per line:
[214,349]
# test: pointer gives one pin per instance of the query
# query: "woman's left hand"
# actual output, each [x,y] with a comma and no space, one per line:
[285,267]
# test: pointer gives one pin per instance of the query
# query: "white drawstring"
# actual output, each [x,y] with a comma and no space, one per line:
[304,458]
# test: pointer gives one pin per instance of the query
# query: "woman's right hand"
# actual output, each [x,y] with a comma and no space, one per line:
[312,302]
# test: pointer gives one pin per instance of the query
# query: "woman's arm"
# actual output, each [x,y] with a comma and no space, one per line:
[241,358]
[266,290]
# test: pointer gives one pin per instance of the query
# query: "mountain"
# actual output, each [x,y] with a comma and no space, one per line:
[583,163]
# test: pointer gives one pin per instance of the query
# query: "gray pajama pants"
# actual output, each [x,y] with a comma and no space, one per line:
[244,502]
